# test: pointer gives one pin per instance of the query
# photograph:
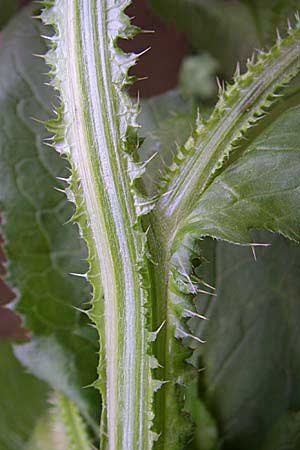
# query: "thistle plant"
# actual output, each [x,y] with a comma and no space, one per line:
[113,268]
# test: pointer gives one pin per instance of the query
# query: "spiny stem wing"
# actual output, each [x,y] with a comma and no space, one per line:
[97,135]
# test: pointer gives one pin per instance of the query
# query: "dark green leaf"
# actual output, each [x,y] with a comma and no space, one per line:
[64,362]
[252,332]
[7,9]
[24,399]
[166,122]
[285,435]
[252,356]
[206,433]
[270,15]
[41,246]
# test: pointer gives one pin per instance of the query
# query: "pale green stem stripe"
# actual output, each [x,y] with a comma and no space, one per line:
[93,135]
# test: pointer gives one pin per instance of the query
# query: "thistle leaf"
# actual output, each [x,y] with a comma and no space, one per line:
[19,388]
[166,122]
[260,190]
[8,8]
[266,179]
[75,427]
[240,107]
[40,247]
[285,434]
[252,357]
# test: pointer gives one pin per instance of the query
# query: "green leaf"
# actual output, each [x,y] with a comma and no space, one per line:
[240,108]
[8,8]
[48,434]
[166,122]
[24,399]
[260,190]
[270,15]
[42,249]
[60,428]
[206,432]
[251,356]
[67,363]
[75,427]
[285,434]
[31,416]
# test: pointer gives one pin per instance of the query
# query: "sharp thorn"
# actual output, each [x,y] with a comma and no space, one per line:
[188,335]
[60,190]
[160,327]
[194,314]
[206,292]
[80,275]
[37,120]
[253,252]
[39,56]
[208,285]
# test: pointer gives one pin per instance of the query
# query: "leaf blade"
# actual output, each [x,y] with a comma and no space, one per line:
[41,250]
[17,423]
[240,107]
[262,185]
[251,358]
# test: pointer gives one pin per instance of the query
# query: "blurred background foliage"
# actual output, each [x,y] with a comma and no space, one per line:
[247,397]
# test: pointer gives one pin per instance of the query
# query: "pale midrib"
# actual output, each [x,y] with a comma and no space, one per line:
[74,424]
[117,212]
[83,165]
[123,401]
[194,177]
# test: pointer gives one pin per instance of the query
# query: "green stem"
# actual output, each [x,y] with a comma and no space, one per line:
[88,67]
[169,422]
[159,277]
